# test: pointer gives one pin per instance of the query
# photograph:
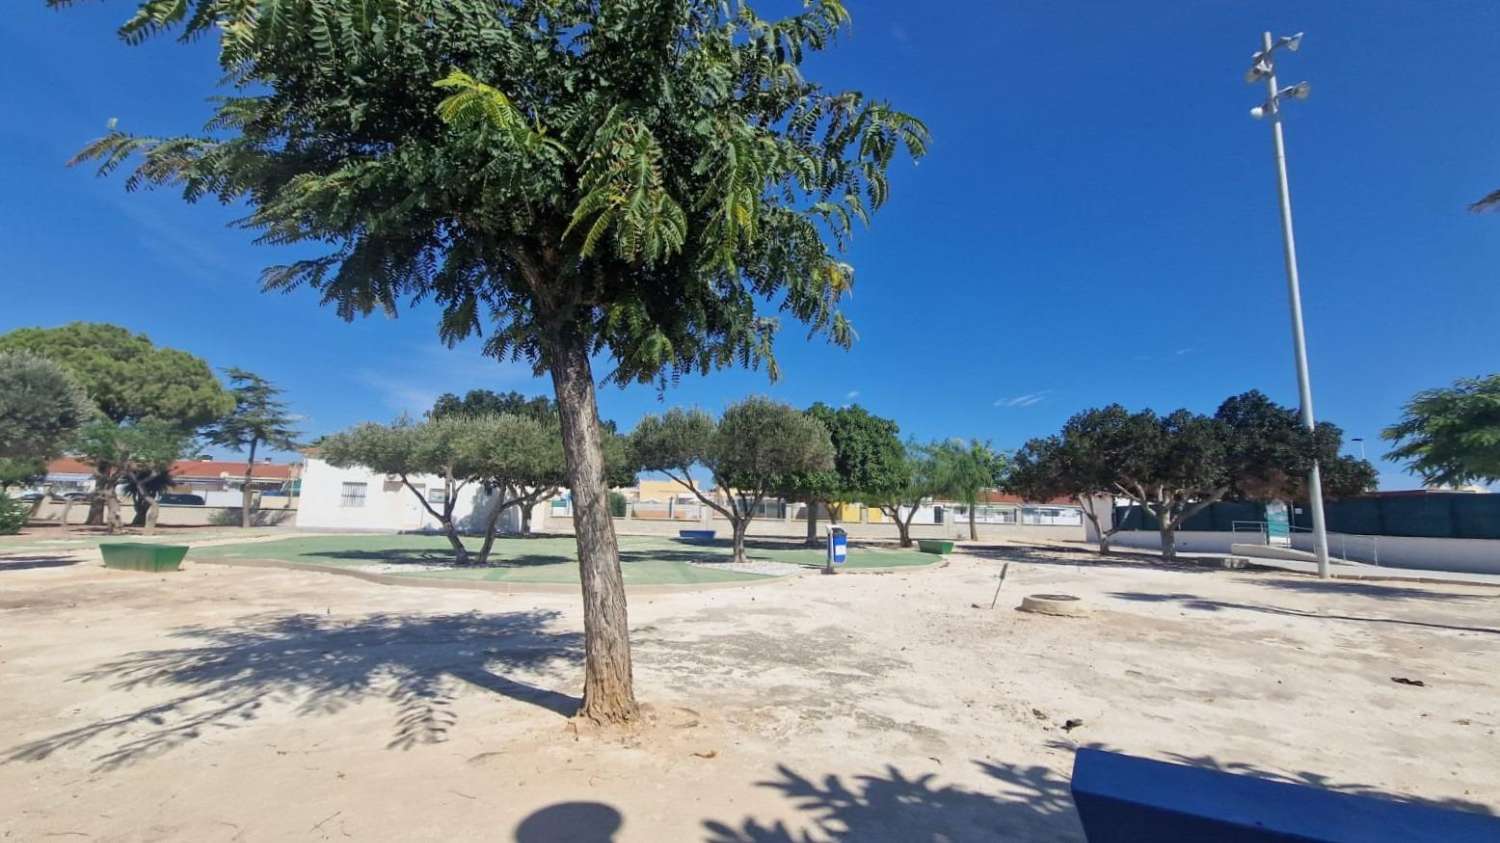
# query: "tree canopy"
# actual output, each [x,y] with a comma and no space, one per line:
[127,377]
[259,418]
[965,470]
[1175,465]
[750,451]
[137,453]
[867,458]
[646,181]
[903,490]
[41,408]
[1451,436]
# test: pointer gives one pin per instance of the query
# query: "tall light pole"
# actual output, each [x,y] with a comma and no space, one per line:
[1263,66]
[1361,441]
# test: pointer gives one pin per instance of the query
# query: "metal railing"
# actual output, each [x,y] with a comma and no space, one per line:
[1343,540]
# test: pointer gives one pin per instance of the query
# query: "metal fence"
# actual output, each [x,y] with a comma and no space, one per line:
[1438,515]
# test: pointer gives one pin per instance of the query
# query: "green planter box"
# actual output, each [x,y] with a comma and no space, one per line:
[934,546]
[143,556]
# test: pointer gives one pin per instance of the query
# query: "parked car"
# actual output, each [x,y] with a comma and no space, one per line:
[178,499]
[78,496]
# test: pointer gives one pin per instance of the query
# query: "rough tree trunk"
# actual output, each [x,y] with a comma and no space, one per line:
[973,531]
[525,520]
[96,505]
[111,510]
[153,509]
[450,529]
[608,684]
[246,496]
[740,527]
[812,524]
[1168,543]
[903,528]
[489,534]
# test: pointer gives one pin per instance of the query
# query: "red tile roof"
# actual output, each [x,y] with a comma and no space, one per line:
[188,469]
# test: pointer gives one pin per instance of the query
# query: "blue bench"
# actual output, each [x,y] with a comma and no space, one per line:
[696,535]
[1124,799]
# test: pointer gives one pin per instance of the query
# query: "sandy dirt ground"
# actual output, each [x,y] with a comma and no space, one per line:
[225,703]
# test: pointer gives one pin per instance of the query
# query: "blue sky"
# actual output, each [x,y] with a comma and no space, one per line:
[1095,222]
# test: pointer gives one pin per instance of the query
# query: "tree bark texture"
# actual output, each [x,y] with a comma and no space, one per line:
[608,684]
[247,496]
[812,524]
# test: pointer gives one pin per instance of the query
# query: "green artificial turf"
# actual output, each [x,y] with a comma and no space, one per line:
[645,560]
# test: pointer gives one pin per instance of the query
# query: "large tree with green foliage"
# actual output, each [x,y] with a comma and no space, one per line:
[259,418]
[131,381]
[1451,436]
[632,179]
[546,480]
[750,451]
[136,454]
[1176,465]
[1080,463]
[867,457]
[449,448]
[41,409]
[902,491]
[966,469]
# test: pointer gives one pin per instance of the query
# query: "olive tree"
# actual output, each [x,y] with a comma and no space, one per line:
[632,180]
[41,408]
[138,455]
[1079,463]
[749,452]
[404,450]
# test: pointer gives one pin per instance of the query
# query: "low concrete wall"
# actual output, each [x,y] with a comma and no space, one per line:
[781,527]
[179,516]
[1469,556]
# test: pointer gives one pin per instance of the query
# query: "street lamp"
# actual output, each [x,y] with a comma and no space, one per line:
[1361,441]
[1263,66]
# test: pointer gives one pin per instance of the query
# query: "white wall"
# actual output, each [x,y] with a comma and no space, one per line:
[1473,556]
[388,505]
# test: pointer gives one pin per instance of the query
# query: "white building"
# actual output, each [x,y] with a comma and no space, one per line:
[358,499]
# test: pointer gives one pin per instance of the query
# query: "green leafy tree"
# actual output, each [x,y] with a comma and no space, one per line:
[633,179]
[259,418]
[441,447]
[867,455]
[127,377]
[41,407]
[130,381]
[1451,436]
[1176,465]
[545,485]
[134,453]
[965,470]
[750,451]
[903,489]
[1079,463]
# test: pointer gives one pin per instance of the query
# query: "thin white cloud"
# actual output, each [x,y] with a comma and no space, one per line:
[1181,351]
[1025,400]
[851,395]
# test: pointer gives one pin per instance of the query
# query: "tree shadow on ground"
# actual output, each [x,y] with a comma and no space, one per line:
[433,556]
[1201,604]
[574,822]
[34,562]
[1382,591]
[1302,777]
[318,665]
[1031,803]
[1068,557]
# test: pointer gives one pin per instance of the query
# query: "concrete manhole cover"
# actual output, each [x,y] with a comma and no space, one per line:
[1062,605]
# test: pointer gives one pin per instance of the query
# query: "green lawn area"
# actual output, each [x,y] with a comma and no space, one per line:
[646,560]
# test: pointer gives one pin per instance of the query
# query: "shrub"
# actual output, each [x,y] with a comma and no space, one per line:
[617,504]
[12,515]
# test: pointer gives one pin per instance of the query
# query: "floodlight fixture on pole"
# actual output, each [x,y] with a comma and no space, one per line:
[1263,66]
